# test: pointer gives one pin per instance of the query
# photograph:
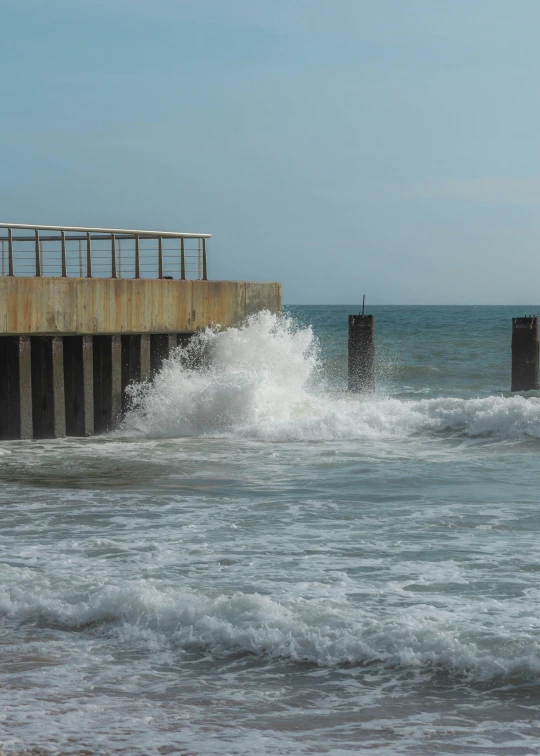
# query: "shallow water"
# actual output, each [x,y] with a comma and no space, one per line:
[257,562]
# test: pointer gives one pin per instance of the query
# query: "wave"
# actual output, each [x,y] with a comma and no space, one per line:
[324,632]
[264,381]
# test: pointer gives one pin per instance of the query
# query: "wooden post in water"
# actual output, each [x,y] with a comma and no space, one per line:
[362,353]
[525,353]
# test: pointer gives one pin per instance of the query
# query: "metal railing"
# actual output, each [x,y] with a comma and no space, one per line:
[81,252]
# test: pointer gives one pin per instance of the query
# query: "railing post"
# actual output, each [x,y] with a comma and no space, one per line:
[80,259]
[38,256]
[3,260]
[204,271]
[113,256]
[120,258]
[182,260]
[64,264]
[41,257]
[160,257]
[137,262]
[88,256]
[10,252]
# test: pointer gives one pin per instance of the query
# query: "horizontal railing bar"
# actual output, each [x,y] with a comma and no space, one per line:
[97,230]
[102,238]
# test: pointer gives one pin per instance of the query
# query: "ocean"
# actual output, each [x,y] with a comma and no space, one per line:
[257,562]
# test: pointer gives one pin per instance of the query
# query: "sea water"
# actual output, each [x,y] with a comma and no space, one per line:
[257,562]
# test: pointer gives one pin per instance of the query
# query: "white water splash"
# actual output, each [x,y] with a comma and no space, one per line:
[263,381]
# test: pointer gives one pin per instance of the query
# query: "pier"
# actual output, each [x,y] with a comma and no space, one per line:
[85,311]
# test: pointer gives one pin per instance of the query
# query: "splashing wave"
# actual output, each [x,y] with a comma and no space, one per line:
[263,381]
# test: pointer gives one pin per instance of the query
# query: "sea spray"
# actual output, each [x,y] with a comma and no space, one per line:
[228,381]
[264,380]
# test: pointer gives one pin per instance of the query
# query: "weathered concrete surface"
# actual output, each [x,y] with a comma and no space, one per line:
[25,387]
[88,384]
[78,385]
[107,381]
[78,306]
[59,399]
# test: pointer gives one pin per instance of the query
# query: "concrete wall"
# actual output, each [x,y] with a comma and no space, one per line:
[93,306]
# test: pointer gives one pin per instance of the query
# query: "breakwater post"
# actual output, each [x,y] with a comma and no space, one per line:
[362,353]
[525,354]
[85,311]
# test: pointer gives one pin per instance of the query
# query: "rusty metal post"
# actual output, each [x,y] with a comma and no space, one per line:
[182,260]
[64,262]
[361,353]
[525,354]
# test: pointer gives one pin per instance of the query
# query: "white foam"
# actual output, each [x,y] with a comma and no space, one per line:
[323,631]
[263,381]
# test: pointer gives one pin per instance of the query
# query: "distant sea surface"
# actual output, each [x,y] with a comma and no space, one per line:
[257,562]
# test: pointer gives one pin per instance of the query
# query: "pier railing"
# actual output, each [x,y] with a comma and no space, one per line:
[83,252]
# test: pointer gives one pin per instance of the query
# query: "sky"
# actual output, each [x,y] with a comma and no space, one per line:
[343,147]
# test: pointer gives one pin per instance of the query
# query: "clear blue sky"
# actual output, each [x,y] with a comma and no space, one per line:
[341,146]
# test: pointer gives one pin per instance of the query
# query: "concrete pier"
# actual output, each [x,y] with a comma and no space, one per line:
[88,306]
[525,354]
[72,341]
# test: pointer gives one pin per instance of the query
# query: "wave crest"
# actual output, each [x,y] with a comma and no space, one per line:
[323,632]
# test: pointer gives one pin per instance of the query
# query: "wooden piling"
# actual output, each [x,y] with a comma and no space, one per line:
[361,353]
[525,354]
